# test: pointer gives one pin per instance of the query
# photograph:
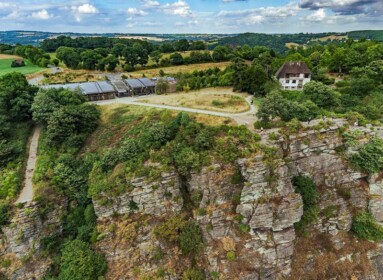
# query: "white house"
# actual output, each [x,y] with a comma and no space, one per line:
[293,75]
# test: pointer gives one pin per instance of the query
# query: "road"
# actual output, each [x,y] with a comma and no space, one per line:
[246,118]
[27,192]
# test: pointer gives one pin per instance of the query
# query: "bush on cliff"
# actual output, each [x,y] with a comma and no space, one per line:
[365,226]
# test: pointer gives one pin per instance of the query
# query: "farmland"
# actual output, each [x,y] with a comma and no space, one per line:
[178,69]
[5,66]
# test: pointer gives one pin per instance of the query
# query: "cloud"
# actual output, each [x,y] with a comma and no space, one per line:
[83,10]
[136,12]
[316,16]
[179,8]
[147,4]
[260,15]
[227,1]
[41,15]
[344,7]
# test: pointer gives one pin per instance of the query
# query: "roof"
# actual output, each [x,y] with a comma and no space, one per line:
[134,83]
[292,67]
[86,88]
[90,88]
[147,82]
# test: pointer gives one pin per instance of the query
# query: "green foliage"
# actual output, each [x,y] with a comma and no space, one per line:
[306,187]
[370,157]
[5,213]
[193,274]
[365,226]
[16,96]
[78,261]
[171,229]
[190,238]
[230,256]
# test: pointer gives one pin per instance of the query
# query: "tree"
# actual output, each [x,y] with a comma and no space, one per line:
[156,56]
[79,262]
[182,45]
[50,100]
[119,49]
[321,95]
[16,96]
[69,56]
[176,59]
[90,59]
[112,62]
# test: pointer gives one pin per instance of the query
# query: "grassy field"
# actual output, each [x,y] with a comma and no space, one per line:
[175,69]
[29,68]
[213,99]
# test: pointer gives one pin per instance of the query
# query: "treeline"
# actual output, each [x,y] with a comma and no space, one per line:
[34,54]
[275,41]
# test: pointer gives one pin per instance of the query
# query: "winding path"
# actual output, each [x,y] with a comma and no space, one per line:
[246,118]
[27,192]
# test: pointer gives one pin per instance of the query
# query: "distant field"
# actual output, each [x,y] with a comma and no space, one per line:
[213,99]
[291,45]
[331,38]
[167,55]
[29,68]
[175,69]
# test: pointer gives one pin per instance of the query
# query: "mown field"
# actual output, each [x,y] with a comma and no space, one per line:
[176,69]
[29,68]
[213,99]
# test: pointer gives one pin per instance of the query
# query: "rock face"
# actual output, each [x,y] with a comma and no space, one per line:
[246,212]
[156,198]
[21,240]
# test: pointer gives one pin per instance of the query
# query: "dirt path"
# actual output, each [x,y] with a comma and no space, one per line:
[245,118]
[27,192]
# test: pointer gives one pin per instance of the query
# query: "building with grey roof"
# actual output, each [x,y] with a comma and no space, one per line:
[141,86]
[93,90]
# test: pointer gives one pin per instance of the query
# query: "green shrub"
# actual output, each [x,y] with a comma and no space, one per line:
[5,213]
[306,187]
[78,261]
[244,228]
[190,238]
[193,274]
[170,229]
[230,256]
[370,157]
[364,226]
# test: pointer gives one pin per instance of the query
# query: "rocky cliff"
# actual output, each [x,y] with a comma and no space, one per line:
[21,249]
[247,211]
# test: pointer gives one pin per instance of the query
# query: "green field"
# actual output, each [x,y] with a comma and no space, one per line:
[29,68]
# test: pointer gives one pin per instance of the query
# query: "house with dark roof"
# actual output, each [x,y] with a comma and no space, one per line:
[293,75]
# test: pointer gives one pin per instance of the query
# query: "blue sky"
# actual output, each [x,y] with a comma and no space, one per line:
[191,16]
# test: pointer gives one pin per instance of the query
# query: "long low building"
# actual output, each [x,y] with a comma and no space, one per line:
[108,90]
[93,90]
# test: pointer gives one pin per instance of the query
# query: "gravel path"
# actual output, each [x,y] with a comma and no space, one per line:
[27,192]
[245,118]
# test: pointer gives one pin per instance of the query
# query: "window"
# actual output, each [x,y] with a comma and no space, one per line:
[307,76]
[294,81]
[287,81]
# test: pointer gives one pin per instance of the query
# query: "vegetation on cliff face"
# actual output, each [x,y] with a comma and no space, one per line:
[365,226]
[305,186]
[370,157]
[163,140]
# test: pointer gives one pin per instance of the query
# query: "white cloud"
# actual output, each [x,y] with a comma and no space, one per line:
[316,16]
[86,9]
[136,12]
[41,15]
[179,8]
[260,15]
[150,3]
[83,10]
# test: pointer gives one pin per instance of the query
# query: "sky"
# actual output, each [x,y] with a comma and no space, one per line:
[191,16]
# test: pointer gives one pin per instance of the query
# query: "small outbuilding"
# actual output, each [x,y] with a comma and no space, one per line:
[293,75]
[142,86]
